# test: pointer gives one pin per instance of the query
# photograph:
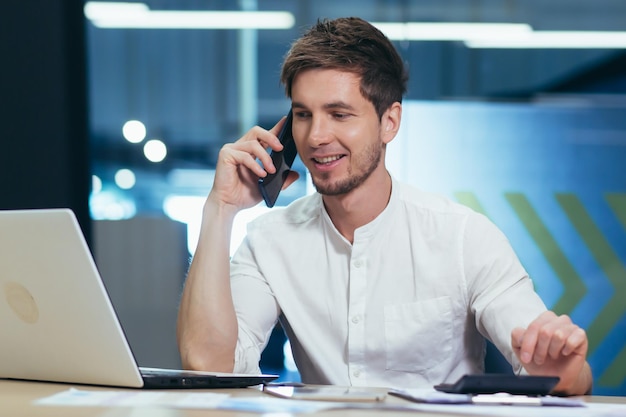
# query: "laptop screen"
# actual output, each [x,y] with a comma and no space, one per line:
[58,323]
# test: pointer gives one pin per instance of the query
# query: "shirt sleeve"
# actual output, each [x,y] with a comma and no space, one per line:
[500,292]
[256,309]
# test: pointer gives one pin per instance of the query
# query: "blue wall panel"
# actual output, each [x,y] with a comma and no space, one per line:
[552,176]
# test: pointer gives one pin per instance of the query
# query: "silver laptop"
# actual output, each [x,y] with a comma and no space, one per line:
[57,322]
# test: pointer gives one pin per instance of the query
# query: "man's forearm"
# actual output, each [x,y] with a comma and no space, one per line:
[207,325]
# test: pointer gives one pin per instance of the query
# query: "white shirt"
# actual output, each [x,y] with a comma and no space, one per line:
[403,306]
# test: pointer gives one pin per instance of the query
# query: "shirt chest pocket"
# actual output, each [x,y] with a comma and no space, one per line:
[418,335]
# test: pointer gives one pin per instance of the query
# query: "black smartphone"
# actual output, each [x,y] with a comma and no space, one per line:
[271,185]
[494,383]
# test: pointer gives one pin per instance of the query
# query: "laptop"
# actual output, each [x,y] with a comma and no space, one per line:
[57,322]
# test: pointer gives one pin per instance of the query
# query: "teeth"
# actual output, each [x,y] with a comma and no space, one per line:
[327,159]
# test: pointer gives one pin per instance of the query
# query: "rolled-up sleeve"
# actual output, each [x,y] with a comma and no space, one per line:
[256,309]
[501,293]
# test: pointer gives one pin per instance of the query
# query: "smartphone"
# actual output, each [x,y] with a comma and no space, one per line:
[271,185]
[326,393]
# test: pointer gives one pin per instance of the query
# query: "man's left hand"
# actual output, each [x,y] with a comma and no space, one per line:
[553,345]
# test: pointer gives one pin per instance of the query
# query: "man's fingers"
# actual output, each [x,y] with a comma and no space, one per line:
[556,343]
[531,345]
[548,336]
[245,154]
[543,345]
[255,143]
[527,344]
[577,342]
[276,129]
[563,336]
[517,336]
[552,335]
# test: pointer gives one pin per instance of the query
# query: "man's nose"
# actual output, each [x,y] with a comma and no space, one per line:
[319,131]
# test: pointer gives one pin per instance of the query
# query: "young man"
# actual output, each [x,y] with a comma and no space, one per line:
[375,283]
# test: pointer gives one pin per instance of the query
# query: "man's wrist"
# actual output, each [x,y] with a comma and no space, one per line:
[582,386]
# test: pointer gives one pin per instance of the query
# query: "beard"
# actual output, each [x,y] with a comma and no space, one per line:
[366,163]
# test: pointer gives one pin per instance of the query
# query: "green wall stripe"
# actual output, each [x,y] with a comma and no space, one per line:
[469,199]
[573,286]
[617,201]
[615,373]
[608,262]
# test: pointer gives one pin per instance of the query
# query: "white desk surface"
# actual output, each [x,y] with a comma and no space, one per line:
[17,400]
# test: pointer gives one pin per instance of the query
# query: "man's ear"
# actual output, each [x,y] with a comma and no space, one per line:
[390,123]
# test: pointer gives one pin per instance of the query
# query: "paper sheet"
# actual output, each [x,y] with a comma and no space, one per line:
[434,401]
[76,397]
[591,410]
[179,399]
[267,404]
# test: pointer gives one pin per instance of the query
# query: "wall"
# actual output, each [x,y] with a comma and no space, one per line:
[551,176]
[143,262]
[43,119]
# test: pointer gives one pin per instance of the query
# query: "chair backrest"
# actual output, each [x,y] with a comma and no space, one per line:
[495,363]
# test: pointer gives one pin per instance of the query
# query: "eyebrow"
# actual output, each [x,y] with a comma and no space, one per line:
[327,106]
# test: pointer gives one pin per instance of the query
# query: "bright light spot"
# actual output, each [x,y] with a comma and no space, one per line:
[107,205]
[188,209]
[240,224]
[201,179]
[155,150]
[134,131]
[96,184]
[125,179]
[310,188]
[290,363]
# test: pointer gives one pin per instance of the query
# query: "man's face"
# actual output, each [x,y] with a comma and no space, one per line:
[336,130]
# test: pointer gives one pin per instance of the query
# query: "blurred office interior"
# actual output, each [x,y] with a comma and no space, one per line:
[515,108]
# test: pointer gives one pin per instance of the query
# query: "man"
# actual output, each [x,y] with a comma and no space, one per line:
[375,283]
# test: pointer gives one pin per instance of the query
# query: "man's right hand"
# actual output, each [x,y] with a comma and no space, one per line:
[238,168]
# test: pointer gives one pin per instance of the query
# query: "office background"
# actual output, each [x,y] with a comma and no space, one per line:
[532,136]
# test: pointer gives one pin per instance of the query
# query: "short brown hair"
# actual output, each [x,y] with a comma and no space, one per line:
[354,45]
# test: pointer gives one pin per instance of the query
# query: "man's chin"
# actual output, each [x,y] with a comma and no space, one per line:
[334,189]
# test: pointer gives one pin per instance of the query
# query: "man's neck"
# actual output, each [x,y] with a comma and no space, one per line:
[350,211]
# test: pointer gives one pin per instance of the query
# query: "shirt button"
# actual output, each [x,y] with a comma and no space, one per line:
[355,319]
[358,263]
[356,373]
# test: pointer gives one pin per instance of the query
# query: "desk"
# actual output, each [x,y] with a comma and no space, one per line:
[16,400]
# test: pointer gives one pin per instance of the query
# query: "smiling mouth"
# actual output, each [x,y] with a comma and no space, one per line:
[328,159]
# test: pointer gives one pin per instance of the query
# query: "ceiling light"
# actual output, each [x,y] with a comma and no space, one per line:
[110,10]
[556,39]
[139,16]
[501,35]
[415,31]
